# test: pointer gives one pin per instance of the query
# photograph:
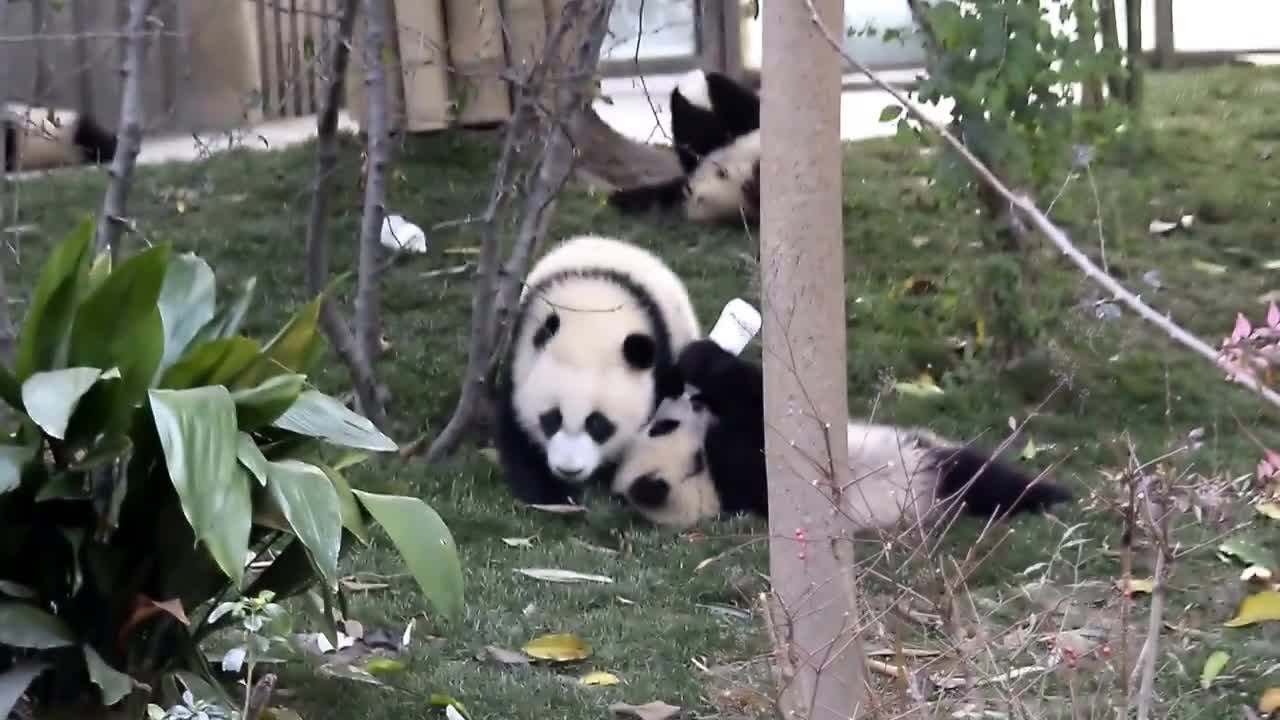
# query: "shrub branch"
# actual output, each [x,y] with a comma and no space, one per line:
[1024,206]
[115,204]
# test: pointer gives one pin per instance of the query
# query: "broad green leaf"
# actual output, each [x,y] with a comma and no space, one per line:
[227,320]
[25,626]
[315,414]
[187,303]
[197,430]
[15,681]
[99,271]
[12,460]
[250,455]
[212,362]
[290,573]
[258,406]
[352,515]
[293,349]
[10,389]
[890,113]
[42,341]
[51,397]
[119,324]
[426,545]
[350,458]
[307,499]
[114,684]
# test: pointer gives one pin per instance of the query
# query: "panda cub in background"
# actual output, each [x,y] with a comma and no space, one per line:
[37,138]
[598,329]
[715,128]
[702,455]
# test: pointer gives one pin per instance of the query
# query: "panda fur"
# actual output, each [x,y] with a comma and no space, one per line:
[37,138]
[702,455]
[715,128]
[596,335]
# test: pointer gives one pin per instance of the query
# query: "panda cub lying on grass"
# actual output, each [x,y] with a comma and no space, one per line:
[702,455]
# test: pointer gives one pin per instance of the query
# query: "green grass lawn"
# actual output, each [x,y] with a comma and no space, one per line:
[665,621]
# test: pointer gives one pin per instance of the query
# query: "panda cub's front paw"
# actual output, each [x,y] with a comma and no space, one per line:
[702,361]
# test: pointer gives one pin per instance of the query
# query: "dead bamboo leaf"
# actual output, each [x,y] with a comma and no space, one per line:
[1161,227]
[505,656]
[562,576]
[1140,585]
[656,710]
[1270,509]
[1259,607]
[560,509]
[923,386]
[489,454]
[557,647]
[357,586]
[519,542]
[1209,268]
[598,677]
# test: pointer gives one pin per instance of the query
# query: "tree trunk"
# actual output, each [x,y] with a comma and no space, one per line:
[1087,21]
[115,205]
[815,613]
[1133,42]
[1110,42]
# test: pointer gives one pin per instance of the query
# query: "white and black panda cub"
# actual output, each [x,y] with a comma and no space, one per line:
[38,138]
[598,329]
[702,455]
[715,128]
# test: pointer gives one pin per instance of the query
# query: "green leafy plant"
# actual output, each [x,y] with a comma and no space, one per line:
[1012,77]
[156,451]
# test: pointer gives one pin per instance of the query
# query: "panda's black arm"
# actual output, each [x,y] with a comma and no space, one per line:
[731,387]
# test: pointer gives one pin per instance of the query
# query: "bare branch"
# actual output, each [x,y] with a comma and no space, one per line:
[1024,206]
[585,23]
[8,335]
[335,328]
[115,204]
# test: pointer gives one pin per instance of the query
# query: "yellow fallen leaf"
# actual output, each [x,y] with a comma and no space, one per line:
[1270,701]
[557,647]
[1212,667]
[383,666]
[599,678]
[1270,509]
[922,386]
[1208,267]
[1258,607]
[1139,585]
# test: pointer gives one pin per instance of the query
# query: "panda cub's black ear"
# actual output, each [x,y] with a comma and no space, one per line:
[640,351]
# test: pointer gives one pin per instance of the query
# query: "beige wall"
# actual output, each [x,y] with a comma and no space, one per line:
[194,81]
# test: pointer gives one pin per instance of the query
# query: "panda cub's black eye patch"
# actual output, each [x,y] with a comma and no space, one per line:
[550,421]
[665,426]
[599,427]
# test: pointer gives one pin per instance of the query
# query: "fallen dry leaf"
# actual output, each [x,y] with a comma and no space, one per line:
[1270,700]
[1256,572]
[1270,509]
[1138,585]
[656,710]
[1259,607]
[489,454]
[557,647]
[1250,553]
[598,678]
[923,386]
[1161,227]
[358,586]
[505,656]
[562,576]
[519,542]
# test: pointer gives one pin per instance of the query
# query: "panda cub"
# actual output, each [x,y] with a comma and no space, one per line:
[703,455]
[597,332]
[42,138]
[715,128]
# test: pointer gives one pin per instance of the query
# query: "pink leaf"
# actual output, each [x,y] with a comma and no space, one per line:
[1273,316]
[1242,328]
